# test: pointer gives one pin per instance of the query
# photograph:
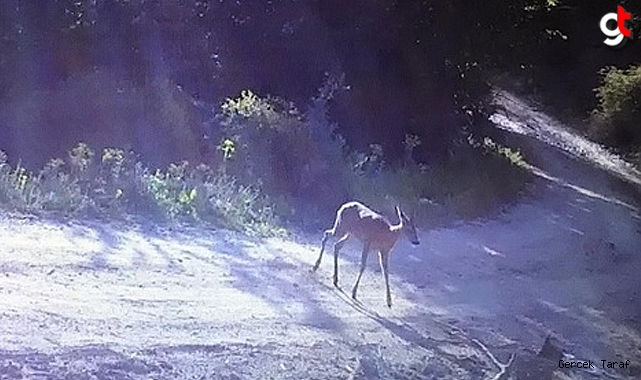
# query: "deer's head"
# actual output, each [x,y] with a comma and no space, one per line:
[407,226]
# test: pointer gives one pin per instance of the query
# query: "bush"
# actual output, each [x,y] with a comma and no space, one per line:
[616,120]
[295,158]
[470,184]
[17,186]
[273,142]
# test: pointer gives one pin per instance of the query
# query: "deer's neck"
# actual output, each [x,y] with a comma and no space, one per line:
[396,228]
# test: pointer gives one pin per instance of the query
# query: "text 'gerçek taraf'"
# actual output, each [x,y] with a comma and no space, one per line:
[589,364]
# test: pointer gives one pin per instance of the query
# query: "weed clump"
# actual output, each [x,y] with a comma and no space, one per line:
[115,183]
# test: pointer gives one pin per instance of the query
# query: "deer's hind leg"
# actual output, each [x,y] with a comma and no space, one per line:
[326,237]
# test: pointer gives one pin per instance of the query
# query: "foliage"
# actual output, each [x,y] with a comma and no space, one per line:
[293,157]
[241,207]
[620,89]
[514,157]
[58,190]
[266,135]
[104,110]
[117,184]
[273,163]
[170,192]
[616,120]
[269,140]
[143,69]
[146,67]
[228,147]
[469,185]
[16,186]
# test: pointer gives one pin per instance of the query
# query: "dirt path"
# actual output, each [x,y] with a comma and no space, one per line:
[126,302]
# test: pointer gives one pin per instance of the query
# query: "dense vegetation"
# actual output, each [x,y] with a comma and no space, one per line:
[616,120]
[274,164]
[293,106]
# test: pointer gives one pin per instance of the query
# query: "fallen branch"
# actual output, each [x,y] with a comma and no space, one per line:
[353,372]
[502,367]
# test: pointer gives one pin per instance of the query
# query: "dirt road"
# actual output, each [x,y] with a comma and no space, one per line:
[102,301]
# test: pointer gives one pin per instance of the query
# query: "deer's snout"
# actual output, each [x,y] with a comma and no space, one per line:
[415,242]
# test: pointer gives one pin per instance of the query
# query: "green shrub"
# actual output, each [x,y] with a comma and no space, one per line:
[475,184]
[513,156]
[17,187]
[240,207]
[51,189]
[620,89]
[476,180]
[116,185]
[272,143]
[295,158]
[171,194]
[616,120]
[59,190]
[301,162]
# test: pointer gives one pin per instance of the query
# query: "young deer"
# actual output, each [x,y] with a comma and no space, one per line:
[376,233]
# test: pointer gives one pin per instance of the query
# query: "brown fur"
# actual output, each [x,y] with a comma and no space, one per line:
[374,231]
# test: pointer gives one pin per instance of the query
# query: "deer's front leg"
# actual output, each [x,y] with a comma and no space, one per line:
[363,264]
[337,247]
[384,261]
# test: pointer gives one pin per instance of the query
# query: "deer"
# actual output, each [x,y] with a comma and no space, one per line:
[374,231]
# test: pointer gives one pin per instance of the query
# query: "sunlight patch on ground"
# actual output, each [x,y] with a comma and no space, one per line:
[18,244]
[519,117]
[581,190]
[206,286]
[555,308]
[492,252]
[484,249]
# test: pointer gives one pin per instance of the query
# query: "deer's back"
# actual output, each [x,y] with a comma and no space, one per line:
[362,222]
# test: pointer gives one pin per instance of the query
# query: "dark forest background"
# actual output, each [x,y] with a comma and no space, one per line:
[151,75]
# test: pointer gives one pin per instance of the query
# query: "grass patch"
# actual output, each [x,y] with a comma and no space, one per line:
[115,184]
